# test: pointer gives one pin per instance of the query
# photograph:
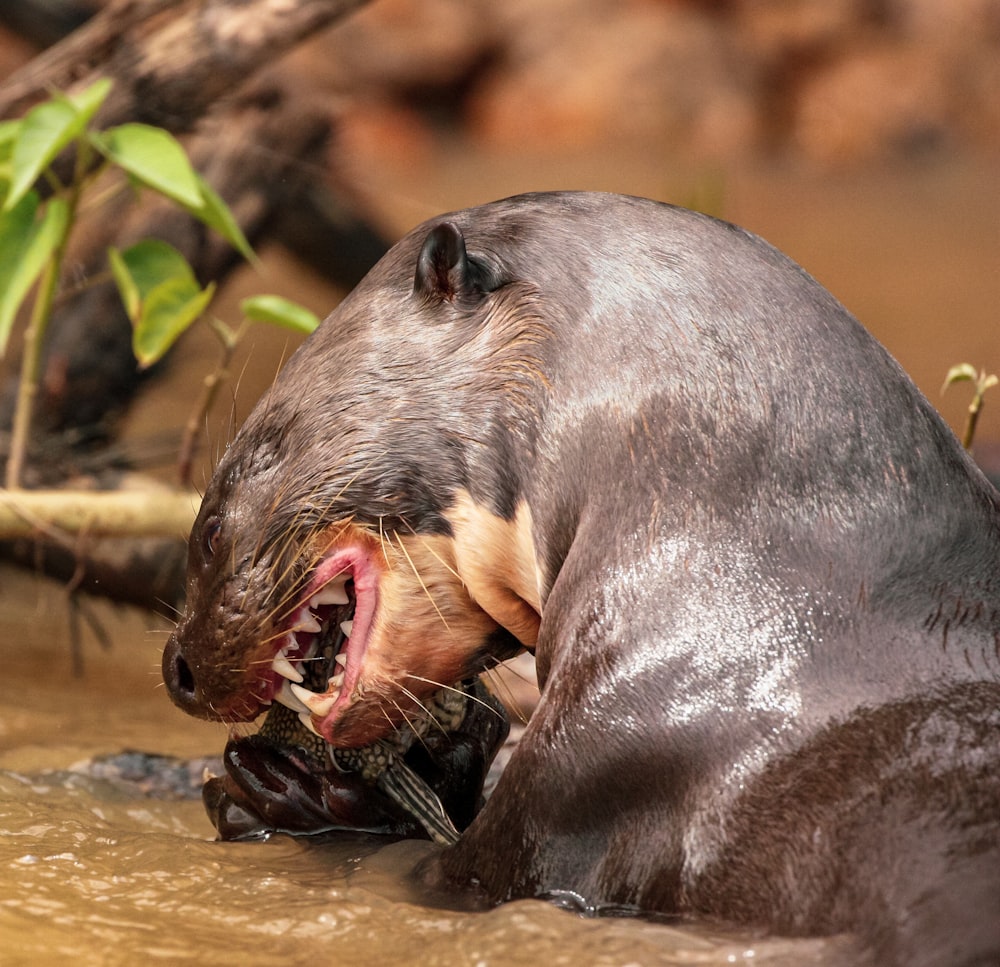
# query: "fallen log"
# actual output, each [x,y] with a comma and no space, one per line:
[171,60]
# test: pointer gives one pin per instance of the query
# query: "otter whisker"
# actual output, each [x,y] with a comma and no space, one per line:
[235,392]
[413,698]
[170,607]
[414,731]
[406,718]
[416,574]
[382,540]
[511,670]
[387,717]
[295,536]
[457,691]
[505,693]
[288,537]
[430,550]
[416,701]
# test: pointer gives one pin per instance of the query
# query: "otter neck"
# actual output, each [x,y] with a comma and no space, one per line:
[495,557]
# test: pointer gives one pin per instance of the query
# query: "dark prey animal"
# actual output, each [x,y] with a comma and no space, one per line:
[760,577]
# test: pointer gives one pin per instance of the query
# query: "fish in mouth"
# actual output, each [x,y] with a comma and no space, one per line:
[425,778]
[414,760]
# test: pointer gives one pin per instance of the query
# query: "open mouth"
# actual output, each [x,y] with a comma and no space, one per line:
[327,750]
[330,627]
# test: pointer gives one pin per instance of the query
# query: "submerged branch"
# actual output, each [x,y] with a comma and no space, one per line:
[152,513]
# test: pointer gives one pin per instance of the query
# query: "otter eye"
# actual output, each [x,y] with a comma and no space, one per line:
[210,536]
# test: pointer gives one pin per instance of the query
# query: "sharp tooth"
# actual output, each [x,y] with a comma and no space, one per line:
[347,627]
[285,668]
[337,681]
[341,659]
[305,620]
[287,697]
[332,593]
[306,719]
[319,705]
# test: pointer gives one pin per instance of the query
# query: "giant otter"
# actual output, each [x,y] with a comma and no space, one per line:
[760,577]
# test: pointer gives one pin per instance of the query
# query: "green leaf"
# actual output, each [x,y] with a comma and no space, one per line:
[9,131]
[215,213]
[279,312]
[160,293]
[127,288]
[88,101]
[26,245]
[961,373]
[167,311]
[45,131]
[142,267]
[154,158]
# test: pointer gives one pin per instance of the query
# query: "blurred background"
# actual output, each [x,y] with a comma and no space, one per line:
[860,136]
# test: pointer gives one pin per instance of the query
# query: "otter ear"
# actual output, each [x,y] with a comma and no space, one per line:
[444,269]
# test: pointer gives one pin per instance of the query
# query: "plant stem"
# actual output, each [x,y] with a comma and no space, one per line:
[209,391]
[34,337]
[970,424]
[31,366]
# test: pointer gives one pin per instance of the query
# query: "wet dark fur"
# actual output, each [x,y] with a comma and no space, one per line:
[770,607]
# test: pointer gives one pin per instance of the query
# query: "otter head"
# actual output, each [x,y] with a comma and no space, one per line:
[368,515]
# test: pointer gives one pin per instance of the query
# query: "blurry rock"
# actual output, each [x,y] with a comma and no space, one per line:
[576,73]
[401,46]
[792,28]
[888,100]
[833,80]
[948,21]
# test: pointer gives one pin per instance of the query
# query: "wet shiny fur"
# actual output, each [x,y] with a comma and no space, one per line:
[759,574]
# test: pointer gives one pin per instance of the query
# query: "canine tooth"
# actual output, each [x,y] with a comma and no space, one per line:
[306,719]
[341,659]
[337,681]
[347,627]
[285,668]
[332,593]
[287,697]
[307,621]
[317,704]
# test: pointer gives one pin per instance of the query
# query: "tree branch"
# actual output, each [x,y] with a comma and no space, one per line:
[171,59]
[140,513]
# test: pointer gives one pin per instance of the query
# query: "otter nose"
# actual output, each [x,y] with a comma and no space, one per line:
[178,677]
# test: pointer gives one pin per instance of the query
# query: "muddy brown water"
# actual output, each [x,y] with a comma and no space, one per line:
[95,873]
